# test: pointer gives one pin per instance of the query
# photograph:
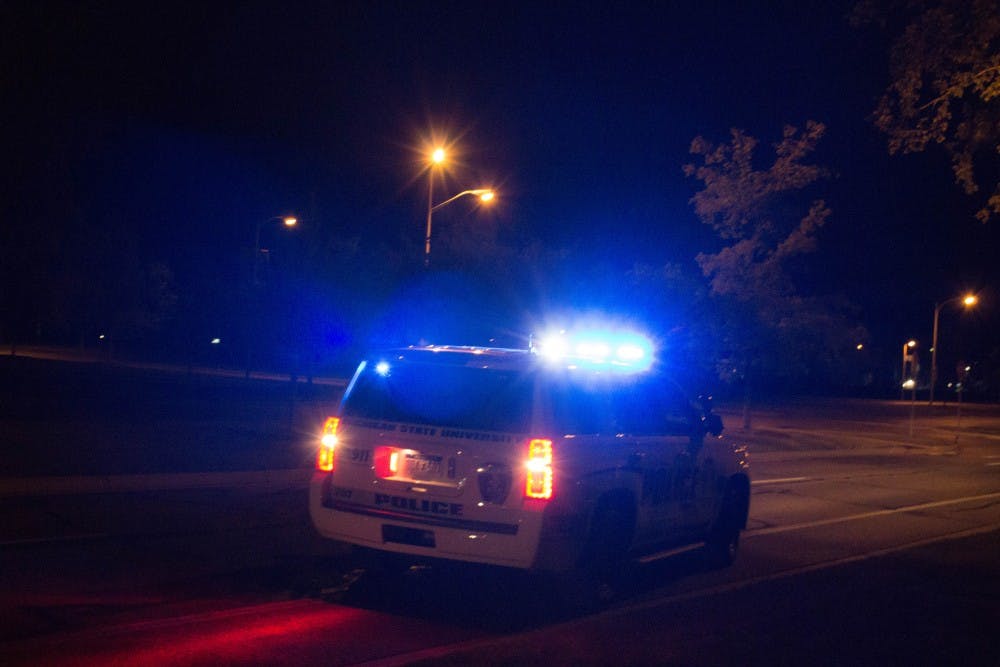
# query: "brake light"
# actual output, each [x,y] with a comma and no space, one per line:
[387,461]
[327,445]
[539,469]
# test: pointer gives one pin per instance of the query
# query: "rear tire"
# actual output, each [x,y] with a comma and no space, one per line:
[605,570]
[722,547]
[723,543]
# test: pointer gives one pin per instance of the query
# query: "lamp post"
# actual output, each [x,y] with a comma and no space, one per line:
[288,220]
[437,157]
[969,300]
[484,194]
[909,373]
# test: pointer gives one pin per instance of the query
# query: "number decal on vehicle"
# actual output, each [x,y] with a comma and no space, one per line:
[360,455]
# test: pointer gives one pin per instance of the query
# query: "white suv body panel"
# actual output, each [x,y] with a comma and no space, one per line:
[435,508]
[354,505]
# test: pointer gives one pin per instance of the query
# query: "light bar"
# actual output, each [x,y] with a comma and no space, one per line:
[596,349]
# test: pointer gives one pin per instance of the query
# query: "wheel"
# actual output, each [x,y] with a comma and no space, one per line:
[605,570]
[723,541]
[722,545]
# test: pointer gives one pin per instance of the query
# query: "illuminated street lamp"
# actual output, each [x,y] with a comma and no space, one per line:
[287,220]
[437,157]
[969,300]
[910,368]
[485,195]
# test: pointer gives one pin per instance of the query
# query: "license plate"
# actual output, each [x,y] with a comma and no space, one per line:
[422,466]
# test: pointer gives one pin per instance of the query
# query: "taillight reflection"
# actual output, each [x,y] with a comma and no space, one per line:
[539,469]
[327,445]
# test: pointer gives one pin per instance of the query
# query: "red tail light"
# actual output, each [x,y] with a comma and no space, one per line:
[539,469]
[327,445]
[387,461]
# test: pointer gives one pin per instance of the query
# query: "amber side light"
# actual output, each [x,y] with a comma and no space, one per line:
[538,478]
[327,445]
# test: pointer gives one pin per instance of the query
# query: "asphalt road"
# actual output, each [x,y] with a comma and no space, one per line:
[871,541]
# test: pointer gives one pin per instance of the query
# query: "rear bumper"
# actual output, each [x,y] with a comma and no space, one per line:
[426,528]
[401,515]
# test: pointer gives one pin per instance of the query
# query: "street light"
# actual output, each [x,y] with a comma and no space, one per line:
[969,300]
[910,367]
[437,157]
[485,195]
[287,220]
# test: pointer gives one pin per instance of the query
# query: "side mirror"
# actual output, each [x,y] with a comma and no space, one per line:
[712,423]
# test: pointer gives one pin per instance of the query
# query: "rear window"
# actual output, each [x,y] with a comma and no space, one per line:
[477,398]
[647,406]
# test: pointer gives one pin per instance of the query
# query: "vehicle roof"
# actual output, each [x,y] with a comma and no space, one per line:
[462,355]
[501,358]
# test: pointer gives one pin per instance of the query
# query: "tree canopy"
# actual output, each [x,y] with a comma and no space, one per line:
[766,326]
[944,85]
[743,204]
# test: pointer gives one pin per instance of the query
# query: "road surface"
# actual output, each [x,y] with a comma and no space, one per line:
[870,542]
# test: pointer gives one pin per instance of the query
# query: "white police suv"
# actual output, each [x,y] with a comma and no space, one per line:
[574,455]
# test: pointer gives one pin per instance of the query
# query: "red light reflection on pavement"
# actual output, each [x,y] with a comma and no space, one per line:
[302,632]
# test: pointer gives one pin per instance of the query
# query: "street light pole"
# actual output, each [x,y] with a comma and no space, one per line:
[437,157]
[430,213]
[484,194]
[969,300]
[288,220]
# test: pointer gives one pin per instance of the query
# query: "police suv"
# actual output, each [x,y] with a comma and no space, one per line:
[574,455]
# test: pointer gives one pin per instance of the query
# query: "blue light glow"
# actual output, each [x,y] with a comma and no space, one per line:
[382,368]
[597,349]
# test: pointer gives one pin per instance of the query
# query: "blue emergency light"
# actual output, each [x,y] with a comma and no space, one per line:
[628,352]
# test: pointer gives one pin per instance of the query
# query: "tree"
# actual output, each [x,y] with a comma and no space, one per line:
[740,201]
[765,327]
[944,88]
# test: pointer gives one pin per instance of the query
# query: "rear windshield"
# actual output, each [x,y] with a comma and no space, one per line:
[640,406]
[443,395]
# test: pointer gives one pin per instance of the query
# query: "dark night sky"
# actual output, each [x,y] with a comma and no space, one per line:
[193,121]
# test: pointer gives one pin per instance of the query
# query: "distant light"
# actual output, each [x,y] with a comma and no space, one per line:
[100,337]
[968,368]
[487,196]
[912,343]
[290,221]
[861,346]
[909,384]
[216,341]
[438,156]
[970,300]
[382,368]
